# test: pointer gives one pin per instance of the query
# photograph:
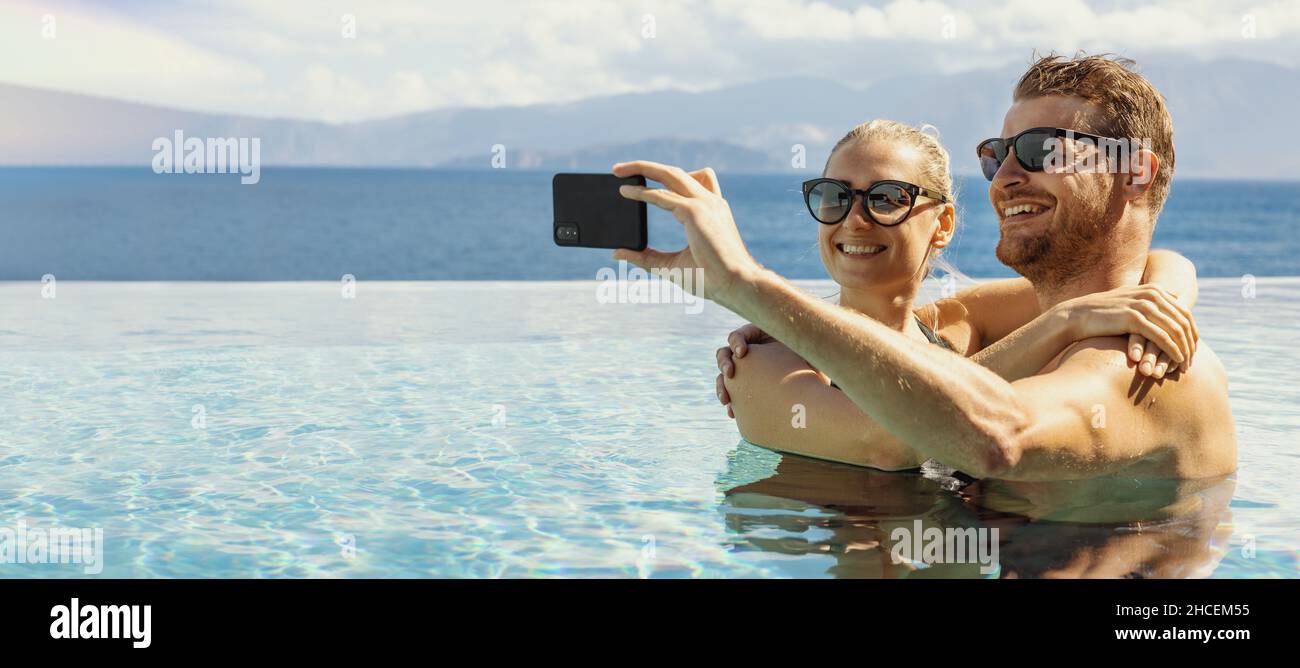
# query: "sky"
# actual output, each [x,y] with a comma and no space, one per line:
[351,60]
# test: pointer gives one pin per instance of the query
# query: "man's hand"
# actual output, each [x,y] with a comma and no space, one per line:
[714,247]
[737,344]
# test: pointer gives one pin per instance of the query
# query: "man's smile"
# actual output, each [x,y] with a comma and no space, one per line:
[1020,212]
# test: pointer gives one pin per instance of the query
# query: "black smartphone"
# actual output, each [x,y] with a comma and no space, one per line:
[590,213]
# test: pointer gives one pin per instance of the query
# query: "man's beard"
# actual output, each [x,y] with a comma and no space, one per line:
[1065,250]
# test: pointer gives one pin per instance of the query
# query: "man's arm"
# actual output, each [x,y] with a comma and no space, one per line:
[941,404]
[782,403]
[966,416]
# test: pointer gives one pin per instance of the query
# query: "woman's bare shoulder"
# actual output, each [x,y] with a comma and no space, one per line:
[950,319]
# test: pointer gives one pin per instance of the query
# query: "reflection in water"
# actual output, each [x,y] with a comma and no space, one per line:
[1107,528]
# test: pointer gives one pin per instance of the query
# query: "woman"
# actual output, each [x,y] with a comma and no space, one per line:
[885,204]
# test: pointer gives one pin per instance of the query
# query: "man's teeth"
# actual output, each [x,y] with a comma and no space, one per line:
[1020,208]
[861,250]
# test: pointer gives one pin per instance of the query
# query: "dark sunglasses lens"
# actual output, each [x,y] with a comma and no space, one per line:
[991,154]
[1033,148]
[889,203]
[829,202]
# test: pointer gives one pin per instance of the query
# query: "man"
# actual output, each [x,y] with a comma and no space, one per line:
[1088,412]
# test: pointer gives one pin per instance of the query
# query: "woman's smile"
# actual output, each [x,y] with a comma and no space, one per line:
[860,250]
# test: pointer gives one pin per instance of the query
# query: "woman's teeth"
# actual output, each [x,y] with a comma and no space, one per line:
[1021,208]
[849,249]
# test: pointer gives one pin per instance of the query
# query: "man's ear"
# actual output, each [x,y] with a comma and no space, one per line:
[1143,165]
[947,225]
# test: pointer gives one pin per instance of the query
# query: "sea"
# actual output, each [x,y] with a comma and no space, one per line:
[129,224]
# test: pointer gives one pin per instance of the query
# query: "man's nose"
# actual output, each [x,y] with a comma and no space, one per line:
[1010,173]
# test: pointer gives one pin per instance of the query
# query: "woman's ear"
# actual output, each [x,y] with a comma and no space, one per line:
[947,225]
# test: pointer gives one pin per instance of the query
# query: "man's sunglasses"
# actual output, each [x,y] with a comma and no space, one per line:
[1031,146]
[888,203]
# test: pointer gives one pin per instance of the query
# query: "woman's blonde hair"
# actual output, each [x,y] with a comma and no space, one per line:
[936,169]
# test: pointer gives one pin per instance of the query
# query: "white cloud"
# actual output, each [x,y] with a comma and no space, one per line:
[289,57]
[900,20]
[104,55]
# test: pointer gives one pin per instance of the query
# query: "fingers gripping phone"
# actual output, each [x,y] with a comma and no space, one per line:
[590,212]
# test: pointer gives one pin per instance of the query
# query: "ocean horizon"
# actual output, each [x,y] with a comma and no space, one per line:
[321,223]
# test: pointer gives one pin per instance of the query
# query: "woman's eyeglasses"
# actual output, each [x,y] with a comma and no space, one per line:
[888,203]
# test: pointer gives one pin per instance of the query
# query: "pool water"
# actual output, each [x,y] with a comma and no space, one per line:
[524,429]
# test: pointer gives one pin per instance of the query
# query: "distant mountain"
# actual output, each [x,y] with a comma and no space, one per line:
[748,127]
[720,155]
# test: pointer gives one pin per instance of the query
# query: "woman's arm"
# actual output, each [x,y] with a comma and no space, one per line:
[1027,348]
[1174,273]
[782,403]
[995,309]
[1145,312]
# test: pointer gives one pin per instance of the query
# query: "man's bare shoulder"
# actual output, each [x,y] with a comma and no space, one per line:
[1207,373]
[1188,411]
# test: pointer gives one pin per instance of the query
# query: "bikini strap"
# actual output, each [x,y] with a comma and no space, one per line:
[929,334]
